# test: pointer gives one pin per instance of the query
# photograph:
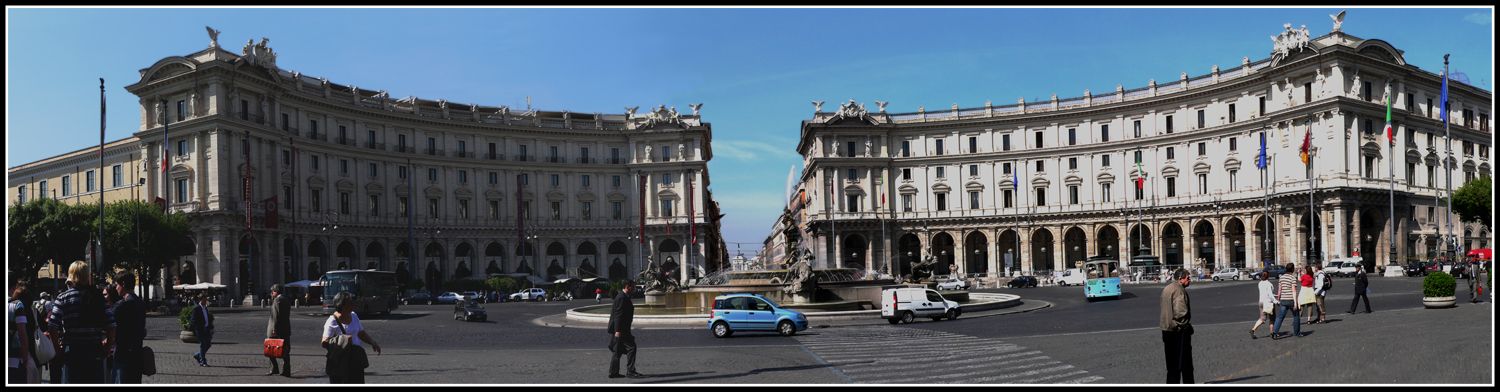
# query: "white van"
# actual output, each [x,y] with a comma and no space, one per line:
[907,303]
[1070,277]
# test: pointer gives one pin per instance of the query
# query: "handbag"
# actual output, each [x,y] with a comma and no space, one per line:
[344,340]
[148,361]
[45,351]
[275,348]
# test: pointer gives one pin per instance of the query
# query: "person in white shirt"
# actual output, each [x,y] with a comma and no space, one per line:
[342,365]
[1320,289]
[1266,303]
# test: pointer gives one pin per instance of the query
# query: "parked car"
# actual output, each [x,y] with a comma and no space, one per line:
[468,310]
[1274,271]
[448,298]
[472,295]
[531,294]
[899,305]
[1021,281]
[420,297]
[752,312]
[1416,268]
[953,284]
[1434,266]
[1070,277]
[1227,274]
[1460,271]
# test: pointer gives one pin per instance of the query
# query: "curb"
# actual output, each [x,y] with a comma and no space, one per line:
[560,321]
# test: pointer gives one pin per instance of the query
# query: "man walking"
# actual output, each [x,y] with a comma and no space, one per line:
[280,327]
[202,324]
[1286,293]
[1177,329]
[1361,289]
[1323,283]
[130,331]
[622,342]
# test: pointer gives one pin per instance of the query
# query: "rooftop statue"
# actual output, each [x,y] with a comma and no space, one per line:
[213,37]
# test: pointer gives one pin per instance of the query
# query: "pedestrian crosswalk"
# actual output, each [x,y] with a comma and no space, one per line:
[903,355]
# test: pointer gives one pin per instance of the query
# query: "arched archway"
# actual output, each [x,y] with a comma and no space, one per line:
[855,249]
[316,254]
[345,256]
[942,248]
[1010,256]
[404,264]
[1234,235]
[249,252]
[525,257]
[1314,254]
[434,256]
[1265,234]
[186,273]
[494,257]
[1372,228]
[587,254]
[375,257]
[288,260]
[1042,251]
[556,255]
[668,250]
[976,253]
[1172,239]
[617,269]
[1140,240]
[909,251]
[1106,243]
[618,253]
[1075,247]
[463,256]
[1203,239]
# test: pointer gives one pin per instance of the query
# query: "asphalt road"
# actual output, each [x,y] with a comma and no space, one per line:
[1113,341]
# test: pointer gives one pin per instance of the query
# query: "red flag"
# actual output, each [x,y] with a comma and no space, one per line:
[271,216]
[1306,150]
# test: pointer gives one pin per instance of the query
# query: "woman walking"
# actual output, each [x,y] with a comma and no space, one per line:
[1266,301]
[86,330]
[342,337]
[22,330]
[1306,296]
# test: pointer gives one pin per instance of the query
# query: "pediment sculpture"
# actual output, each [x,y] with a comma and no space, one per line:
[1290,40]
[661,115]
[259,54]
[852,109]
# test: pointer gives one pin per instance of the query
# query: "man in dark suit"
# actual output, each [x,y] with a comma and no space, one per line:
[621,340]
[280,327]
[1361,288]
[202,324]
[130,331]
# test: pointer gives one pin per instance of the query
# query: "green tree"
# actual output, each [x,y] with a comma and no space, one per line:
[140,238]
[1472,201]
[47,229]
[503,284]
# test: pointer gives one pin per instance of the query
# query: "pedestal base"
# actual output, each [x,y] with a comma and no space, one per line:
[801,299]
[1394,271]
[656,298]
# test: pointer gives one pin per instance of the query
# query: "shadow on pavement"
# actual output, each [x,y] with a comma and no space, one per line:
[1236,379]
[752,372]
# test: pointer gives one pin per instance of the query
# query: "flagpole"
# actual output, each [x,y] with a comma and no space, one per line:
[1312,186]
[1450,244]
[1391,137]
[99,260]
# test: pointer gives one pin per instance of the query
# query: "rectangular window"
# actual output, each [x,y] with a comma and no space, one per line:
[615,181]
[942,201]
[463,208]
[1411,102]
[615,211]
[401,172]
[905,148]
[117,175]
[1171,186]
[973,170]
[1140,193]
[1038,141]
[1104,160]
[583,152]
[1202,148]
[43,188]
[316,163]
[88,183]
[906,174]
[1104,133]
[1005,167]
[1073,163]
[494,209]
[245,110]
[1200,118]
[1202,184]
[432,174]
[181,110]
[1366,90]
[494,178]
[403,206]
[1431,177]
[463,148]
[1041,197]
[317,200]
[344,167]
[1233,144]
[286,122]
[286,157]
[973,200]
[939,150]
[906,203]
[1005,142]
[182,149]
[585,178]
[666,207]
[1041,166]
[1137,125]
[588,210]
[1169,123]
[1171,153]
[1104,192]
[182,191]
[524,156]
[374,205]
[614,156]
[401,142]
[1262,100]
[67,185]
[1232,175]
[286,198]
[1009,198]
[344,203]
[1072,194]
[21,194]
[973,144]
[1231,113]
[941,173]
[666,153]
[1072,136]
[1411,174]
[432,207]
[463,176]
[370,138]
[851,203]
[852,174]
[432,145]
[556,181]
[849,149]
[552,153]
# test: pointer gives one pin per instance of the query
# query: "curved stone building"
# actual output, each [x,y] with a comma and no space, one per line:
[1048,184]
[347,177]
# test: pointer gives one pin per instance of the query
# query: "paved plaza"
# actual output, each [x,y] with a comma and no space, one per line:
[1070,341]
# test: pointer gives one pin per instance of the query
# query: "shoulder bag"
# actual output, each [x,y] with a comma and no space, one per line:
[355,354]
[148,361]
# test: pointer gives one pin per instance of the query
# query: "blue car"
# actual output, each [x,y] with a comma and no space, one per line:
[752,312]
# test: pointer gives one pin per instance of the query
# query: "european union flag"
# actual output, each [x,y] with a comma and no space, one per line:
[1260,160]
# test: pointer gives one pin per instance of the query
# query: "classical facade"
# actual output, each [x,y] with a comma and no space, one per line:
[1039,186]
[285,176]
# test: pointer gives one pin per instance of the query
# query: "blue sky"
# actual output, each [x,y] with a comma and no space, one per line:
[755,70]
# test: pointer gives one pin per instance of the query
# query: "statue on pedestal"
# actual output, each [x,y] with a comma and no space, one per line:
[799,278]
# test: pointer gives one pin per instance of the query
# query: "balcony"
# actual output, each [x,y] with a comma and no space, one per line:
[408,149]
[555,160]
[463,154]
[617,161]
[525,158]
[374,145]
[345,140]
[493,156]
[434,152]
[587,160]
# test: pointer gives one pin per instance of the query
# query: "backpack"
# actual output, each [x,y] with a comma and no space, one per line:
[1327,282]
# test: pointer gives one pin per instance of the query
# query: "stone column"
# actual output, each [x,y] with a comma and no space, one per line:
[961,254]
[1358,234]
[1023,257]
[1057,255]
[1340,238]
[220,261]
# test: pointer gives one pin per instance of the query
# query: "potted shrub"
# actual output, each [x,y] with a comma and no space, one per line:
[184,318]
[1437,290]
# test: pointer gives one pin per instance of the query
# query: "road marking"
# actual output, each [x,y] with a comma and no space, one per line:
[944,357]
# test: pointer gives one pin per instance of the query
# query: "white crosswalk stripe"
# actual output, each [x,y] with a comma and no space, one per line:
[896,354]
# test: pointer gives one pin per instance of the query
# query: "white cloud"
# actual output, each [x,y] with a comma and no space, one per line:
[747,150]
[1479,18]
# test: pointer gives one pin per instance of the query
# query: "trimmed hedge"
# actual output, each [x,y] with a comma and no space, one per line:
[1438,284]
[185,316]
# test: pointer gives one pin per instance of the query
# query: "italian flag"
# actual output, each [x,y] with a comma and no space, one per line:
[1140,181]
[1390,132]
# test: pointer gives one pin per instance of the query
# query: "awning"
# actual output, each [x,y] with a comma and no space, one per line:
[1482,254]
[300,283]
[592,280]
[199,286]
